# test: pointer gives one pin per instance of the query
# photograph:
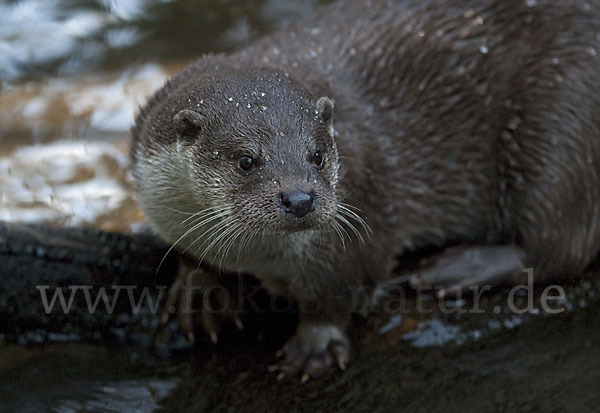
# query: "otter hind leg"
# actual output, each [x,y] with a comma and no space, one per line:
[464,267]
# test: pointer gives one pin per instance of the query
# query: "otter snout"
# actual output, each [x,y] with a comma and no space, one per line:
[297,202]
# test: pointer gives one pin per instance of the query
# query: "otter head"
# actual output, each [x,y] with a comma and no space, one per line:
[263,153]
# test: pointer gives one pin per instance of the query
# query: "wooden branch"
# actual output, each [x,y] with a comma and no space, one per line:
[37,260]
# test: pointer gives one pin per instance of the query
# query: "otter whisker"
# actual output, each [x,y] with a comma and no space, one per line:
[208,235]
[351,227]
[178,211]
[338,230]
[206,220]
[206,212]
[229,226]
[235,231]
[240,236]
[320,231]
[342,229]
[247,239]
[350,206]
[346,209]
[244,243]
[209,217]
[226,241]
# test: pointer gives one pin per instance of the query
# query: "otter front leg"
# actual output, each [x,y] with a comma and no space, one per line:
[200,297]
[464,267]
[320,342]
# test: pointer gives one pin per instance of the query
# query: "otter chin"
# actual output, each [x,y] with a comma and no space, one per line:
[470,126]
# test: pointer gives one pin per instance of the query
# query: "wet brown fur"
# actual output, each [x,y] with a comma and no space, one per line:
[464,121]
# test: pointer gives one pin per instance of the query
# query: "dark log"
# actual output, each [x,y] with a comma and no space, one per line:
[544,362]
[38,261]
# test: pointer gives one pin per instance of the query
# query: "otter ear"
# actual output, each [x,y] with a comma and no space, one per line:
[188,123]
[325,109]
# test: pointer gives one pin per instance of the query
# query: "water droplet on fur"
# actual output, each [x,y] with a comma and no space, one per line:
[421,33]
[230,99]
[248,106]
[275,51]
[514,123]
[479,20]
[531,3]
[555,60]
[384,102]
[484,49]
[469,13]
[262,94]
[592,51]
[263,107]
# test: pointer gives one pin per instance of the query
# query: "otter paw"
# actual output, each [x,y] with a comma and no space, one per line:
[196,298]
[314,349]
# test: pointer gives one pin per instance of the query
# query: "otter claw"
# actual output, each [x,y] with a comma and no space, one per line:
[164,318]
[238,323]
[341,355]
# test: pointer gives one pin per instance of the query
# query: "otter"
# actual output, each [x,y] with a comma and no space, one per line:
[316,156]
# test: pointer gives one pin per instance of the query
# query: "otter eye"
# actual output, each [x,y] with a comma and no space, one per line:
[246,164]
[317,159]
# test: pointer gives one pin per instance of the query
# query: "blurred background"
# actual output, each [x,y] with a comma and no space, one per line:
[73,74]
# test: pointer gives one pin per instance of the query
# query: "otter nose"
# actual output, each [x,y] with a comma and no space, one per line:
[298,202]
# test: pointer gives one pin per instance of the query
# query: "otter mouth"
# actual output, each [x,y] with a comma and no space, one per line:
[293,225]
